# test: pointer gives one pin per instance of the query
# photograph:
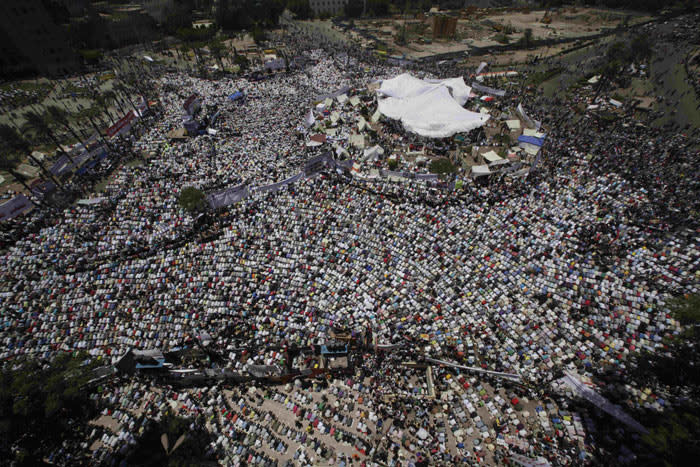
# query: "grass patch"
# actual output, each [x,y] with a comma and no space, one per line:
[540,77]
[502,38]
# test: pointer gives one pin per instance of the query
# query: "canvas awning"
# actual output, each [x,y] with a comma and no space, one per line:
[491,156]
[480,170]
[431,109]
[513,124]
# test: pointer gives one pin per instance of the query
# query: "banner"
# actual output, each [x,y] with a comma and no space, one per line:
[488,90]
[64,165]
[530,122]
[228,196]
[13,208]
[318,163]
[122,126]
[481,68]
[61,166]
[42,188]
[274,187]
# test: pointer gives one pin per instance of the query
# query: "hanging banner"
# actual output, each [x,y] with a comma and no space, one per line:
[488,90]
[228,196]
[13,208]
[122,126]
[318,163]
[274,187]
[529,121]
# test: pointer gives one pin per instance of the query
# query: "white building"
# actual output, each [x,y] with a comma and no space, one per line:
[329,6]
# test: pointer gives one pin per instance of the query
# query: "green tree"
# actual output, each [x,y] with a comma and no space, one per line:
[14,146]
[217,48]
[640,47]
[40,123]
[353,9]
[301,9]
[442,166]
[60,117]
[527,39]
[172,441]
[41,403]
[675,439]
[259,34]
[9,162]
[191,199]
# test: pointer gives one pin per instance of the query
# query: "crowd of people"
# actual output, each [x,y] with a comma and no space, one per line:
[569,268]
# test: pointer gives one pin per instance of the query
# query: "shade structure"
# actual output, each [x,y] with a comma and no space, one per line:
[428,109]
[405,86]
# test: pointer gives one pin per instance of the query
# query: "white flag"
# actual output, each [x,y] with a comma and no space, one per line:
[309,120]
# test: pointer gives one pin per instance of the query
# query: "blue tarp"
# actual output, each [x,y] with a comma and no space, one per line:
[236,95]
[531,140]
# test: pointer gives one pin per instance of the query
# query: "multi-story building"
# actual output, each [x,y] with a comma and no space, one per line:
[31,43]
[329,6]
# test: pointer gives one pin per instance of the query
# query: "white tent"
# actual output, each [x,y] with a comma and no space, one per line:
[361,123]
[535,133]
[309,120]
[373,153]
[357,140]
[513,124]
[491,156]
[428,109]
[479,170]
[406,86]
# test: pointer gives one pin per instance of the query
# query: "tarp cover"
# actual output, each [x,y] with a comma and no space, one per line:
[406,86]
[491,156]
[479,170]
[429,109]
[531,140]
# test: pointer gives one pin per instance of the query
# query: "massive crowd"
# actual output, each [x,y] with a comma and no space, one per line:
[567,269]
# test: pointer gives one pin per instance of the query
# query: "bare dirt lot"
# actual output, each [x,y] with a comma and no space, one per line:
[484,29]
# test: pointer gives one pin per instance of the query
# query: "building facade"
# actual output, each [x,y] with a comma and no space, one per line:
[329,6]
[31,42]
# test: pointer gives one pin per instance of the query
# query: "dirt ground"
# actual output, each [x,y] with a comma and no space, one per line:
[482,30]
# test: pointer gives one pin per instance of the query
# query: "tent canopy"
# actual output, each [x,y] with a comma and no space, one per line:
[531,140]
[480,170]
[491,156]
[429,109]
[406,86]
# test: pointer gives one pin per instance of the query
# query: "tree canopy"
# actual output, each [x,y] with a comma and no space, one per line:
[191,449]
[442,166]
[191,199]
[38,403]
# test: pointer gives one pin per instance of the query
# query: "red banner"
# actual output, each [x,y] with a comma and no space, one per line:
[120,125]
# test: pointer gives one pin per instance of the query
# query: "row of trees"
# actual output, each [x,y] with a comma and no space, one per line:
[620,55]
[39,405]
[674,435]
[246,14]
[55,125]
